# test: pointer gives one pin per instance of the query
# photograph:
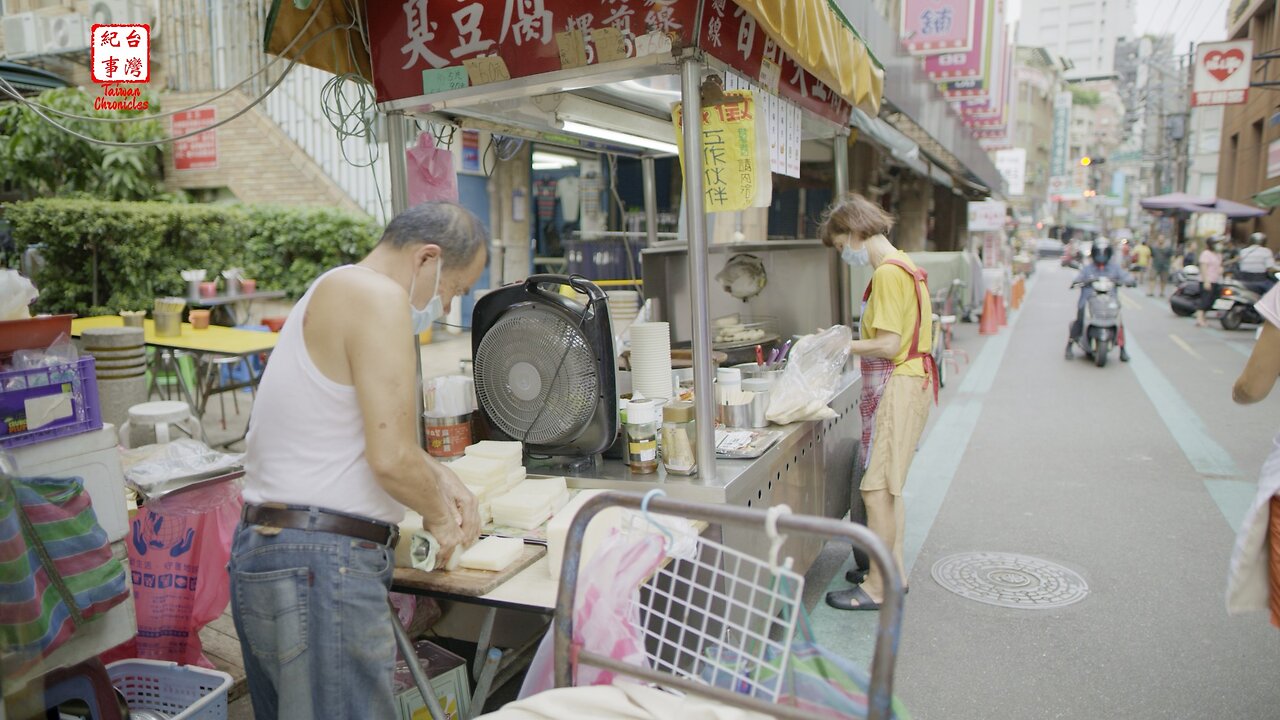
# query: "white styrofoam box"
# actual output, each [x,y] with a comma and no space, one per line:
[597,532]
[92,456]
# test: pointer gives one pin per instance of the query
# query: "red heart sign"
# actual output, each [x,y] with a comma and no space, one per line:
[1222,65]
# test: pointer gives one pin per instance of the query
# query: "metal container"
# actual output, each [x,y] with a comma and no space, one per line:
[734,416]
[759,401]
[168,324]
[133,318]
[447,436]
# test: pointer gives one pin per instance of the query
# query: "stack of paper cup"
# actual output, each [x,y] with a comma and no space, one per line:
[624,306]
[651,360]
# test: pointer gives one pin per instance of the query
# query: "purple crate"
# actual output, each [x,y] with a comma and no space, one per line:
[19,386]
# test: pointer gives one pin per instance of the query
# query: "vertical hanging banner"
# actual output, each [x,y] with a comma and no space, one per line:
[990,55]
[734,175]
[962,64]
[932,27]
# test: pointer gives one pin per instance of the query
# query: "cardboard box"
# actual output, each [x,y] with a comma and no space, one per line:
[448,674]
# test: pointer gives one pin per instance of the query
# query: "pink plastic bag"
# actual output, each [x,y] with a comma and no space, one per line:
[430,172]
[605,616]
[178,552]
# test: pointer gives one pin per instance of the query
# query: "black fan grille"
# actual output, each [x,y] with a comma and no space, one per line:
[517,360]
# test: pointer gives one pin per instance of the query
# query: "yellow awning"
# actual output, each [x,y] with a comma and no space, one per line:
[820,38]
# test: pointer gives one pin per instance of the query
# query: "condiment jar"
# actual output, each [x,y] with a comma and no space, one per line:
[679,439]
[642,436]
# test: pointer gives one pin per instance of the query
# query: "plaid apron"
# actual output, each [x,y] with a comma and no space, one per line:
[876,372]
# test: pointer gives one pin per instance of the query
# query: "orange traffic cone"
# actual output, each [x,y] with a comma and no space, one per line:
[1015,294]
[990,324]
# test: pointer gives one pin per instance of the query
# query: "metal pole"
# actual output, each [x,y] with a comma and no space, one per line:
[840,149]
[396,145]
[695,214]
[647,174]
[840,160]
[420,679]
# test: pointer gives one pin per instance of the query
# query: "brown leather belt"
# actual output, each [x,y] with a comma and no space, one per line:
[298,517]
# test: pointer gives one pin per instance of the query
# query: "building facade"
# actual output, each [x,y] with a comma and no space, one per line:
[1038,80]
[1250,131]
[1082,31]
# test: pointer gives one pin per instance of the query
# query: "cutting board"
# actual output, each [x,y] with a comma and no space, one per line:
[468,583]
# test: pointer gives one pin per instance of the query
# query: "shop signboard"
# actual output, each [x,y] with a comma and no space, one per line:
[422,46]
[998,106]
[1059,185]
[1012,164]
[198,152]
[992,47]
[1273,159]
[1061,133]
[932,27]
[986,216]
[731,35]
[734,178]
[966,64]
[1222,73]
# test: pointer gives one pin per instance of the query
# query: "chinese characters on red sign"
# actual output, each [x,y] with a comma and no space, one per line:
[416,36]
[199,152]
[121,54]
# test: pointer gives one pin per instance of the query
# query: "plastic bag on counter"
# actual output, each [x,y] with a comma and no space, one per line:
[811,377]
[151,467]
[16,295]
[178,552]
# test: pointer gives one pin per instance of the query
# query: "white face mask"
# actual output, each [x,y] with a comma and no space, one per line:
[434,310]
[855,258]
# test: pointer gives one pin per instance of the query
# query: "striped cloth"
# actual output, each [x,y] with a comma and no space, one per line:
[56,568]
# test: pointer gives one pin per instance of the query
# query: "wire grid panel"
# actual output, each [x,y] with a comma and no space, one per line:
[720,617]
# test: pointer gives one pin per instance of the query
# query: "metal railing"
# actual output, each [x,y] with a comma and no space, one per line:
[211,45]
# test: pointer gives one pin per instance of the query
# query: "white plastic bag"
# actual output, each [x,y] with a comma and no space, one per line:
[16,294]
[810,379]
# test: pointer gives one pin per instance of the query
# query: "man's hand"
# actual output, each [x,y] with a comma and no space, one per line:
[465,508]
[449,534]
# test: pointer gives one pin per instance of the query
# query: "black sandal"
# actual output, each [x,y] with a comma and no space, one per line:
[854,599]
[856,577]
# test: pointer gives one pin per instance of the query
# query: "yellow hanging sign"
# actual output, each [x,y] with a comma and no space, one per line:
[733,177]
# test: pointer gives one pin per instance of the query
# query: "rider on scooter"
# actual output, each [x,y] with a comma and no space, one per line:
[1254,264]
[1100,266]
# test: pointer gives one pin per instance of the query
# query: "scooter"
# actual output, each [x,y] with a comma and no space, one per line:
[1101,328]
[1237,301]
[1186,297]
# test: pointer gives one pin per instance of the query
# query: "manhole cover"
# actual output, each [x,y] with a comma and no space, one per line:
[1006,580]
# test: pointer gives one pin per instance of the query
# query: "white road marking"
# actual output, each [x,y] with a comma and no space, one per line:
[1183,344]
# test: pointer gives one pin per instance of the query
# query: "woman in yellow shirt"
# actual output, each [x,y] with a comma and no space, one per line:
[898,375]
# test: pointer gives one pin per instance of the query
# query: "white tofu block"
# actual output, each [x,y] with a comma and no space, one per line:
[475,470]
[524,512]
[492,553]
[510,453]
[597,532]
[482,492]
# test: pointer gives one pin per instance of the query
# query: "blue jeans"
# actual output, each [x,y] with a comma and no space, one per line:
[315,628]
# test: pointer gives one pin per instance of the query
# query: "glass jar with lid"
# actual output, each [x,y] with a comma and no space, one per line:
[679,439]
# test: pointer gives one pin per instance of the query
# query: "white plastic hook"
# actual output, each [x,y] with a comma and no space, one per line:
[775,540]
[644,508]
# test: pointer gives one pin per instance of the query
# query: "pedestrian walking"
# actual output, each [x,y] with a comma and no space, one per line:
[1161,264]
[899,378]
[1210,263]
[1189,256]
[1142,262]
[1254,582]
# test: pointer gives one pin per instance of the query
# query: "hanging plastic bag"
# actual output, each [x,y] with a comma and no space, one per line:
[178,552]
[811,377]
[606,619]
[430,172]
[16,294]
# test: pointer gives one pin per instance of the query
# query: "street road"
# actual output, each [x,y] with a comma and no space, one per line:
[1134,476]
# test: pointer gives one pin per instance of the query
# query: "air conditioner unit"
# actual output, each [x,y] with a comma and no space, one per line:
[23,35]
[65,33]
[119,12]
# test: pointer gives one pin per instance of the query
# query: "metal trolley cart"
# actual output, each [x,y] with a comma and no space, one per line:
[697,613]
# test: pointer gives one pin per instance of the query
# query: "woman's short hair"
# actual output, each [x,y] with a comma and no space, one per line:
[855,215]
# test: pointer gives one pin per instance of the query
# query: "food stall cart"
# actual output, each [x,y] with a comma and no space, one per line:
[574,74]
[593,78]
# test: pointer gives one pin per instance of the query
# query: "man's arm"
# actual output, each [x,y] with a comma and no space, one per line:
[1260,373]
[379,345]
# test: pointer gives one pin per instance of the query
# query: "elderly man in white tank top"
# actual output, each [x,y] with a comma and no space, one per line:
[333,461]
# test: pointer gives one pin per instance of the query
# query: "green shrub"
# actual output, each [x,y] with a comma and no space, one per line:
[142,247]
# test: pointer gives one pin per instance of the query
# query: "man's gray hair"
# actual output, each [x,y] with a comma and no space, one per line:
[458,232]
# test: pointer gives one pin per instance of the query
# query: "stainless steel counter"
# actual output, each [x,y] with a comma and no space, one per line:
[811,469]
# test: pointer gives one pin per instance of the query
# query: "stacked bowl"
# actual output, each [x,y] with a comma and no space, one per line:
[651,360]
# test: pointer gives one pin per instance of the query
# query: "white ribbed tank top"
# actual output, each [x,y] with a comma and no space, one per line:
[306,443]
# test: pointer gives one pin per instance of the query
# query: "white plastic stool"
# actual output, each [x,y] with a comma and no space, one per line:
[161,415]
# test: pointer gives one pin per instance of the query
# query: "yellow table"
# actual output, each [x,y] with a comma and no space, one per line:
[215,339]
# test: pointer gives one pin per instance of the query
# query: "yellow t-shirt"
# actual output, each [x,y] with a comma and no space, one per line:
[891,308]
[1142,256]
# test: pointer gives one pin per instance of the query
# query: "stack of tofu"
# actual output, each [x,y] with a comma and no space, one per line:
[492,471]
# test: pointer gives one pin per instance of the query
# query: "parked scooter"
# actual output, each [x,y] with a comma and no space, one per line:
[1186,297]
[1101,329]
[1238,301]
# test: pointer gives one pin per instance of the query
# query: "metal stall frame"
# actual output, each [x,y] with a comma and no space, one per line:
[690,64]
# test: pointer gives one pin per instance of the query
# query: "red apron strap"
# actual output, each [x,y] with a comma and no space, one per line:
[919,276]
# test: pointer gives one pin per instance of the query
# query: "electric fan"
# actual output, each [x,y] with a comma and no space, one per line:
[544,367]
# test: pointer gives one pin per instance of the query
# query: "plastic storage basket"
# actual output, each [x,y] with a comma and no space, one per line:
[182,692]
[25,391]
